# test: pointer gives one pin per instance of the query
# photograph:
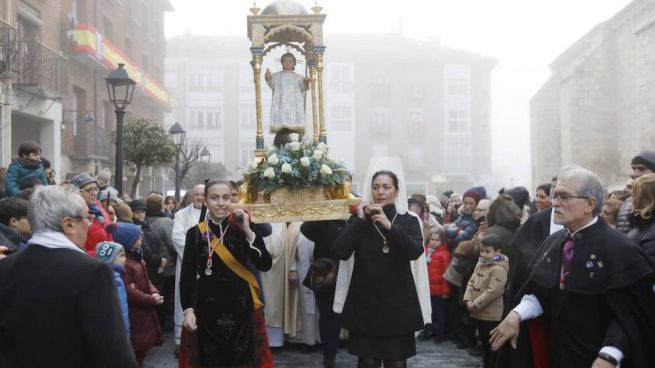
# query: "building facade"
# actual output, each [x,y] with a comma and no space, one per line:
[65,105]
[596,108]
[385,95]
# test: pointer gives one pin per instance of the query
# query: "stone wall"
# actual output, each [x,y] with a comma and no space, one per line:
[596,110]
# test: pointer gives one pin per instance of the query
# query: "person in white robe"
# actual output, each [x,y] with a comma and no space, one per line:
[185,219]
[288,101]
[309,334]
[280,284]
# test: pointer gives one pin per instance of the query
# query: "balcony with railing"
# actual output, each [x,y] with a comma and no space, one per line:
[40,69]
[7,40]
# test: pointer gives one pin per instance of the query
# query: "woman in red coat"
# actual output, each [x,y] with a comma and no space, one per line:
[142,296]
[88,187]
[437,258]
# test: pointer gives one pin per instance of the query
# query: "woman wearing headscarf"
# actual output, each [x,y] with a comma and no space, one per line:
[382,310]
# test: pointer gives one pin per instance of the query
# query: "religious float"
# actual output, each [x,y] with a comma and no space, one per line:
[294,179]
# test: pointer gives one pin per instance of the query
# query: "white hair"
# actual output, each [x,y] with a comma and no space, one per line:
[49,205]
[588,184]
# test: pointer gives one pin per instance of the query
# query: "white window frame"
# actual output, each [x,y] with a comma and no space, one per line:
[341,117]
[415,121]
[380,123]
[457,157]
[247,116]
[246,152]
[340,79]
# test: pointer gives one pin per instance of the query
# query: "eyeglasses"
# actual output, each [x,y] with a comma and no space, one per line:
[91,190]
[89,218]
[564,197]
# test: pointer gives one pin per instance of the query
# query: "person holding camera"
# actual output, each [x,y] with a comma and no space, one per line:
[382,310]
[217,291]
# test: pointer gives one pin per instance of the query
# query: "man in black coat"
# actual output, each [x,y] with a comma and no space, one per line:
[593,286]
[58,306]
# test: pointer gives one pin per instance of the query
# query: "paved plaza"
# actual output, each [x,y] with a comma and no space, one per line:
[429,355]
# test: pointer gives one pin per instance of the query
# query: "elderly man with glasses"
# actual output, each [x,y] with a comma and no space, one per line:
[58,306]
[88,187]
[593,285]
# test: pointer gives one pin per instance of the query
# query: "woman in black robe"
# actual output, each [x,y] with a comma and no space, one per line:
[382,310]
[218,293]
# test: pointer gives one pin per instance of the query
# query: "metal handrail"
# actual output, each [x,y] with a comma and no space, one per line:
[41,66]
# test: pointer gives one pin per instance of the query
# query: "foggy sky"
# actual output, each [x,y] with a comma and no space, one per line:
[524,35]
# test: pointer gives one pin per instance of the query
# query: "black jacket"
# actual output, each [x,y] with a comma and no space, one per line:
[323,234]
[382,298]
[644,234]
[607,299]
[59,308]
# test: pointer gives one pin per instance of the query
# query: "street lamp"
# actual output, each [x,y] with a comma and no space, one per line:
[121,89]
[205,159]
[178,135]
[205,156]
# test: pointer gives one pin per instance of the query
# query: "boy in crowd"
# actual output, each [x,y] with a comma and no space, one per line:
[27,165]
[15,225]
[485,289]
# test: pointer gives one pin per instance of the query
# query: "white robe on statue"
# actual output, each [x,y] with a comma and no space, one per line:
[288,102]
[185,219]
[308,311]
[419,266]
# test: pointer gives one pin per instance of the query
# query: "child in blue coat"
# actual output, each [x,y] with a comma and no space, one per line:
[26,170]
[114,255]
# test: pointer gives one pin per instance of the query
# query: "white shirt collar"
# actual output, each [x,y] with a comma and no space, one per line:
[53,240]
[593,221]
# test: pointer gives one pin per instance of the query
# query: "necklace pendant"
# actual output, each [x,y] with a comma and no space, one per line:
[208,271]
[385,248]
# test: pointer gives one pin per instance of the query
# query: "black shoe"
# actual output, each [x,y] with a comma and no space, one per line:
[425,336]
[276,349]
[177,353]
[328,360]
[477,350]
[465,344]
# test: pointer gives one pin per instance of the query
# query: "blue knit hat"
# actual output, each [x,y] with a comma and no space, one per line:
[107,251]
[125,234]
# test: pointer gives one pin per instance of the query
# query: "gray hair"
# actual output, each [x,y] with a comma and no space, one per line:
[49,205]
[588,183]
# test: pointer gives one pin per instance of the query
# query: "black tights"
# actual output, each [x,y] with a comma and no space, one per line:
[375,363]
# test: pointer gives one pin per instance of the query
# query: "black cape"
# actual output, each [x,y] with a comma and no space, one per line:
[522,249]
[608,297]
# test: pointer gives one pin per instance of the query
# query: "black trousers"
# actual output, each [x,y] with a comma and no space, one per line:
[484,328]
[329,323]
[438,316]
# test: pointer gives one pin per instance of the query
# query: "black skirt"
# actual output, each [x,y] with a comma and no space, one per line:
[382,347]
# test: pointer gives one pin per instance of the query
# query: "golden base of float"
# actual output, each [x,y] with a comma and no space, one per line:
[311,204]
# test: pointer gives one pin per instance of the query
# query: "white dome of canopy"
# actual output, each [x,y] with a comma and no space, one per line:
[284,7]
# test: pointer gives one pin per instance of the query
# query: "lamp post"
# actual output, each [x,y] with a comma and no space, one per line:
[178,135]
[121,89]
[205,159]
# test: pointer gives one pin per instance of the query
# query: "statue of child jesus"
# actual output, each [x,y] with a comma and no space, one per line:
[288,103]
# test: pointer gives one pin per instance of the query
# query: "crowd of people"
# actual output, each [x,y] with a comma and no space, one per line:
[94,279]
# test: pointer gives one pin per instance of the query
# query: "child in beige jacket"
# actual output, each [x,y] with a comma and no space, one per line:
[485,289]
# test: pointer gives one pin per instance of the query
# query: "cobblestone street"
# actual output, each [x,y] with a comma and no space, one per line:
[429,355]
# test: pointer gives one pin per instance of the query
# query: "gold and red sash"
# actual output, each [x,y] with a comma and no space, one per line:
[234,265]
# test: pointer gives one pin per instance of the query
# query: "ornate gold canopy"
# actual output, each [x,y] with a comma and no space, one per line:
[288,23]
